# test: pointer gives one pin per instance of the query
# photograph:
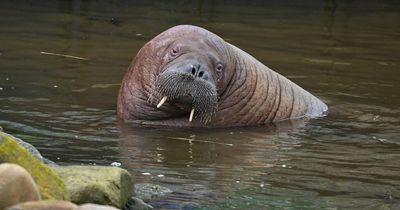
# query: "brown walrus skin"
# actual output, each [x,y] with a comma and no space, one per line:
[200,74]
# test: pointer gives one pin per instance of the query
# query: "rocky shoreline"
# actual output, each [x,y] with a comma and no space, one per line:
[30,182]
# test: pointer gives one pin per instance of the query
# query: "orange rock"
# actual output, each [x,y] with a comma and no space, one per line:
[16,185]
[44,205]
[90,206]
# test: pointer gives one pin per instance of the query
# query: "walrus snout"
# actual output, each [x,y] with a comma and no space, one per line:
[187,86]
[198,71]
[193,68]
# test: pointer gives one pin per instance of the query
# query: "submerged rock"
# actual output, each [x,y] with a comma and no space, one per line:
[16,186]
[97,184]
[50,184]
[44,205]
[147,191]
[137,204]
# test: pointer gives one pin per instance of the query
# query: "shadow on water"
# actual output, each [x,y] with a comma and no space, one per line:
[343,51]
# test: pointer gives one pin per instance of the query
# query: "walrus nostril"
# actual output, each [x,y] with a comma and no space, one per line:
[201,73]
[193,70]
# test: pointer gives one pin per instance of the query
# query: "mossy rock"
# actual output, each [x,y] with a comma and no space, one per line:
[51,186]
[97,184]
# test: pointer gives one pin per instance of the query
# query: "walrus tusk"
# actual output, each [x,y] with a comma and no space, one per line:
[191,115]
[163,100]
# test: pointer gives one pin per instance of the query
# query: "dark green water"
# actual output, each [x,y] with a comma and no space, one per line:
[345,52]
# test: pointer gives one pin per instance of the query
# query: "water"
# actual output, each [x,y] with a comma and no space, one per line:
[345,52]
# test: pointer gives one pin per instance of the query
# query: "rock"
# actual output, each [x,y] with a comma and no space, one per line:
[31,149]
[97,184]
[91,206]
[44,205]
[16,186]
[137,204]
[34,152]
[50,184]
[148,191]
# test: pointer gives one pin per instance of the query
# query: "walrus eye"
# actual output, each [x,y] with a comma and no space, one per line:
[174,51]
[219,67]
[219,71]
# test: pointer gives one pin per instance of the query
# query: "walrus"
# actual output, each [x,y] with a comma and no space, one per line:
[188,76]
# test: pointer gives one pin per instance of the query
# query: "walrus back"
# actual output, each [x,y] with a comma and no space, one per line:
[265,95]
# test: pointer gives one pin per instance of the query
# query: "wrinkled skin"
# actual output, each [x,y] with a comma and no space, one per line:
[198,70]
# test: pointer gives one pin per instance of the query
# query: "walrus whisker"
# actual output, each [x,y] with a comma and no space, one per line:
[163,100]
[175,86]
[191,115]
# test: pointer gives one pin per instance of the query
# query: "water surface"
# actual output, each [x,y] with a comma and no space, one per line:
[344,52]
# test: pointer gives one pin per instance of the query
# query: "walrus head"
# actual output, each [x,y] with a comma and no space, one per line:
[178,74]
[185,72]
[189,78]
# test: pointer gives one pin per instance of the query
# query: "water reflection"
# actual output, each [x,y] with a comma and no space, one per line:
[203,162]
[318,164]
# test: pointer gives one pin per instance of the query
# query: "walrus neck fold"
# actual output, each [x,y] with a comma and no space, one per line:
[261,90]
